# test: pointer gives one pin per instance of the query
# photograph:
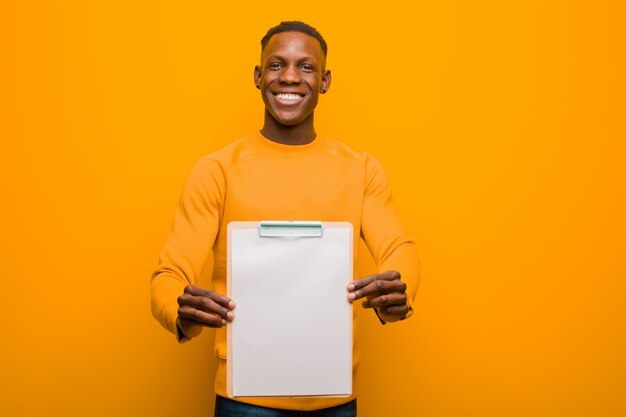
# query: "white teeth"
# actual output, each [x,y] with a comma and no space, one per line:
[291,97]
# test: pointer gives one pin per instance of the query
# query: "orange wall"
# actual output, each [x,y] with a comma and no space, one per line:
[501,125]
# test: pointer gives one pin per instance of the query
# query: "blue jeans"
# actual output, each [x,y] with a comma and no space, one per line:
[225,407]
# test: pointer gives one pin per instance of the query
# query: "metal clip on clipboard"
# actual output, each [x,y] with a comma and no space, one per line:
[291,229]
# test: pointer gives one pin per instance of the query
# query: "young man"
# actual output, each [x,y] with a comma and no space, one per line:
[286,171]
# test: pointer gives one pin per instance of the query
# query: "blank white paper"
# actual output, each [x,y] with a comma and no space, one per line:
[292,333]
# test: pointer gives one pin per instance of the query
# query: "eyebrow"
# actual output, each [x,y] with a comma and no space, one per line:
[282,58]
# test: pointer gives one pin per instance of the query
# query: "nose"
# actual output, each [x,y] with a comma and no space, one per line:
[289,75]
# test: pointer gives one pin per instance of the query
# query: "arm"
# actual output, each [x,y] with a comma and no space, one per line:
[391,291]
[179,305]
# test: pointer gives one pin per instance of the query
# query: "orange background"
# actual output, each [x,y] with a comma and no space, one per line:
[501,126]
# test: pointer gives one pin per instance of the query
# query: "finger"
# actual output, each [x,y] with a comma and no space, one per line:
[201,317]
[400,310]
[202,292]
[205,304]
[360,283]
[386,276]
[376,288]
[385,300]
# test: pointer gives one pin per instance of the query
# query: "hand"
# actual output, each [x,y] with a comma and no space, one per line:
[385,292]
[200,307]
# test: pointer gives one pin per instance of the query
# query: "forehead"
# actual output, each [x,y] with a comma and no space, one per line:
[293,45]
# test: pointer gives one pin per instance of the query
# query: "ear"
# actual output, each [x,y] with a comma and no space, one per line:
[257,76]
[326,79]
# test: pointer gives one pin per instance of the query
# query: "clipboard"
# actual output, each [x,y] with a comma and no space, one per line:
[292,332]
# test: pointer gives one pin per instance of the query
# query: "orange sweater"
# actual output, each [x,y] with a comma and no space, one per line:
[256,179]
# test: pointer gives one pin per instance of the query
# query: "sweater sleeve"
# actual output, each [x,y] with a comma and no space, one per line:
[189,243]
[383,233]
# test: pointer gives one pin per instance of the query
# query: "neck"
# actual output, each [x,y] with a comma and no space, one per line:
[300,134]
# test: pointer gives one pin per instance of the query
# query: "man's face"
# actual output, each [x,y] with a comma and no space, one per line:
[291,76]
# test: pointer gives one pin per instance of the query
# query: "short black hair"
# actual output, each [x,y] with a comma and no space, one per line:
[294,26]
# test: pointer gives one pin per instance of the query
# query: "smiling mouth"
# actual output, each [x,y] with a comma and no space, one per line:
[288,98]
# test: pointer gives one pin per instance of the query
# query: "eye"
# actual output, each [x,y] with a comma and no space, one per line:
[274,66]
[308,68]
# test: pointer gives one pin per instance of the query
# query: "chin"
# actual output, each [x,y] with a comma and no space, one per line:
[289,121]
